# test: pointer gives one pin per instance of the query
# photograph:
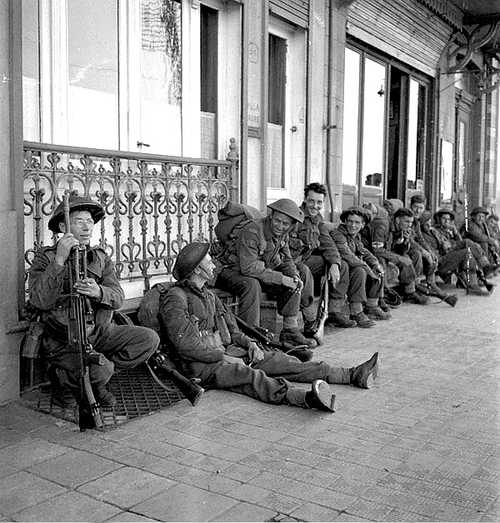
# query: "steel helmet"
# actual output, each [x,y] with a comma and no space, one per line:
[188,259]
[288,207]
[76,203]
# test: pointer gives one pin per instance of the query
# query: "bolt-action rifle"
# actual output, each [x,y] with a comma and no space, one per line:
[322,314]
[468,256]
[80,320]
[265,338]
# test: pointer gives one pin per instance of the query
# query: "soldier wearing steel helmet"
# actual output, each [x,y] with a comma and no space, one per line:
[260,260]
[123,346]
[478,232]
[205,341]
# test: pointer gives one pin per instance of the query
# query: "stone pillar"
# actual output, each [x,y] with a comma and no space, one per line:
[11,195]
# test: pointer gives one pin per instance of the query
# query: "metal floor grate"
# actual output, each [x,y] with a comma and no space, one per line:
[137,394]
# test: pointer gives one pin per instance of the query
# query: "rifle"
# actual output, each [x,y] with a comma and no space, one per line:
[322,314]
[266,339]
[160,367]
[468,255]
[80,316]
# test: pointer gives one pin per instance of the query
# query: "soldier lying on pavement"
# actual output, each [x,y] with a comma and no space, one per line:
[365,273]
[124,347]
[260,260]
[207,344]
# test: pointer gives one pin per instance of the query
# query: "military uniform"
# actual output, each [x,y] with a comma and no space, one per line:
[190,318]
[124,347]
[311,245]
[258,261]
[479,233]
[358,286]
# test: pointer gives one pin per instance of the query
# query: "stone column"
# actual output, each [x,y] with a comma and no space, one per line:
[11,208]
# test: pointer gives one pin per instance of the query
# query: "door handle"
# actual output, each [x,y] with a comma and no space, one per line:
[293,128]
[142,144]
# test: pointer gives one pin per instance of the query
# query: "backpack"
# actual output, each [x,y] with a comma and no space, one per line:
[232,218]
[147,313]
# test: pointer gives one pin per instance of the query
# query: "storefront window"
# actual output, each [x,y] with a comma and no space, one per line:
[373,124]
[351,112]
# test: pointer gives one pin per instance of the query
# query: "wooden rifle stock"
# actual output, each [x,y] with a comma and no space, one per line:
[322,314]
[89,411]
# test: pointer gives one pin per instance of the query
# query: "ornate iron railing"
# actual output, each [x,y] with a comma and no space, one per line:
[154,204]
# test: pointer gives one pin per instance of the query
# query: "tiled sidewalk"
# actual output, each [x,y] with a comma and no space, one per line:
[423,445]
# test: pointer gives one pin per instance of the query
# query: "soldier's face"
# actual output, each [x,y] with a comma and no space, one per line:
[445,220]
[418,209]
[354,224]
[479,218]
[280,223]
[426,225]
[206,268]
[81,226]
[403,223]
[314,202]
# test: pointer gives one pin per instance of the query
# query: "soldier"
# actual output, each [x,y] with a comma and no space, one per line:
[124,347]
[366,274]
[207,344]
[260,260]
[456,255]
[479,233]
[312,245]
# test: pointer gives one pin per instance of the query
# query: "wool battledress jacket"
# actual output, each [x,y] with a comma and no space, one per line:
[351,248]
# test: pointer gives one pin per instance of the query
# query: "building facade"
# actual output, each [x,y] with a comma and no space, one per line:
[376,98]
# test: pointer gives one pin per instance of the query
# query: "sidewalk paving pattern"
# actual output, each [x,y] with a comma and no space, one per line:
[422,445]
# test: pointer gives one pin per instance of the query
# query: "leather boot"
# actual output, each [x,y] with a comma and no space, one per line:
[339,319]
[104,397]
[296,338]
[320,397]
[376,313]
[363,375]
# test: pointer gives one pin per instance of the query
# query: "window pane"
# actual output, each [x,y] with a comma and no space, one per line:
[351,111]
[411,156]
[31,72]
[161,65]
[93,73]
[373,123]
[461,154]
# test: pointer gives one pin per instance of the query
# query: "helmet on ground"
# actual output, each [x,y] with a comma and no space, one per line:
[188,259]
[288,207]
[76,203]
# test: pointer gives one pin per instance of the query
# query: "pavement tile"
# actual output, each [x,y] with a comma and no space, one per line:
[62,469]
[71,506]
[313,512]
[246,512]
[21,490]
[128,516]
[126,487]
[272,500]
[332,499]
[449,512]
[371,510]
[240,472]
[211,481]
[185,503]
[29,451]
[196,459]
[219,450]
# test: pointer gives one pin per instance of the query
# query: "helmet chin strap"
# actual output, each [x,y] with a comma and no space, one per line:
[203,273]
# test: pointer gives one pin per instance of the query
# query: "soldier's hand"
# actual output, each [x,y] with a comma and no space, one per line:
[233,359]
[255,352]
[64,246]
[299,284]
[334,274]
[288,281]
[88,287]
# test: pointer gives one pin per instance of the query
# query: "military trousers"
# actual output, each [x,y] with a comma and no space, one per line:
[123,347]
[249,291]
[456,261]
[267,380]
[356,284]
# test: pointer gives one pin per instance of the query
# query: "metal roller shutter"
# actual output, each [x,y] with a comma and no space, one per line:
[295,11]
[406,30]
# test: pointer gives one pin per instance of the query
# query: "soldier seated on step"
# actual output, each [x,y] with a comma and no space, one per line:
[123,347]
[364,279]
[464,258]
[260,260]
[206,343]
[312,246]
